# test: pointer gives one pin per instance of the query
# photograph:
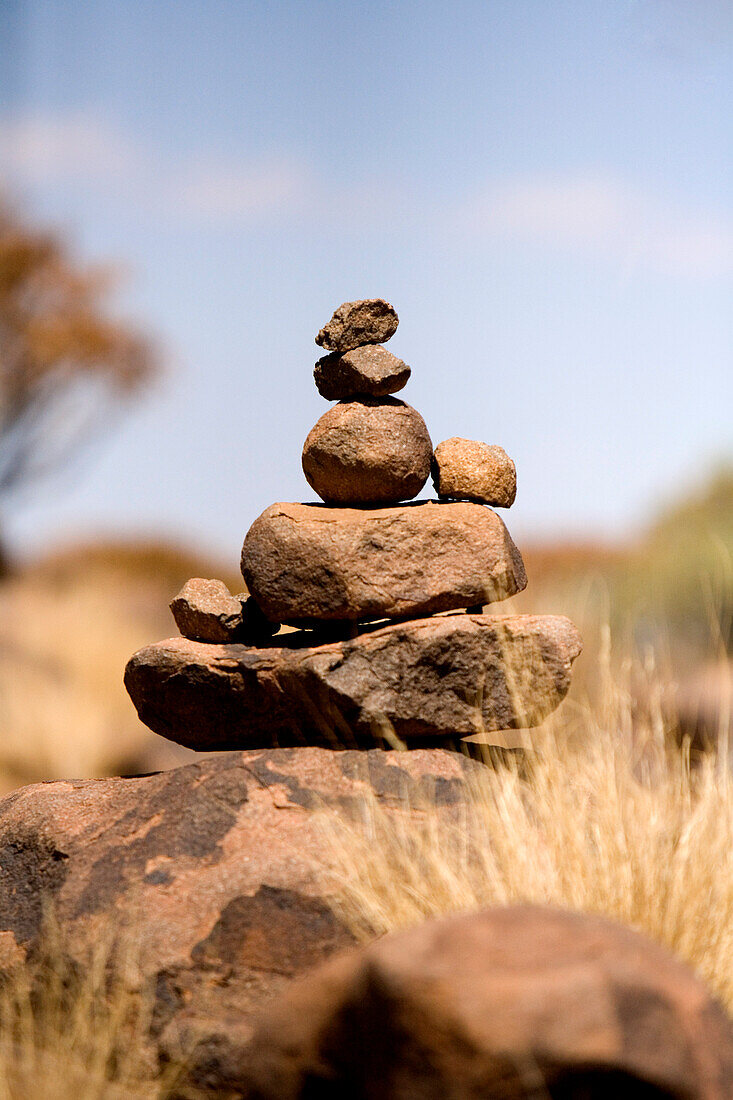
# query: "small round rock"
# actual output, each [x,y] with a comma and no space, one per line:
[368,321]
[369,370]
[464,469]
[368,451]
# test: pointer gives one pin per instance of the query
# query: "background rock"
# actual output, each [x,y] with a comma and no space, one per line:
[367,370]
[368,451]
[305,562]
[464,469]
[211,869]
[438,678]
[368,321]
[517,1002]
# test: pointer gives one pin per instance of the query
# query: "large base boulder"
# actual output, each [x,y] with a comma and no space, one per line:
[211,869]
[423,681]
[509,1003]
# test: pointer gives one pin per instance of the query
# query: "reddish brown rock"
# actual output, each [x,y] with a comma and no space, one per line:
[464,469]
[370,370]
[427,681]
[213,870]
[374,450]
[369,321]
[305,562]
[517,1002]
[206,611]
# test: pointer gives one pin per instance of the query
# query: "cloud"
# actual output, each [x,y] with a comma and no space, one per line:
[43,149]
[237,193]
[596,215]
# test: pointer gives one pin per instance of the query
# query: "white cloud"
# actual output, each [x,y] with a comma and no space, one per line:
[591,215]
[81,145]
[238,192]
[597,215]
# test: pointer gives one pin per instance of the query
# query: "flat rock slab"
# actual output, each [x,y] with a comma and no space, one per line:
[305,563]
[214,869]
[426,681]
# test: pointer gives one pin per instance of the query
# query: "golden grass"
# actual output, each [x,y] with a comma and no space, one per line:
[604,815]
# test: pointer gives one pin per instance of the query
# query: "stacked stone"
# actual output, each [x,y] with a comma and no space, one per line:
[362,577]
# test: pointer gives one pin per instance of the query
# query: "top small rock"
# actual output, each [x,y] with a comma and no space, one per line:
[370,321]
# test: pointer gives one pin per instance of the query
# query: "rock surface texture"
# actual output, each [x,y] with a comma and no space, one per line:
[464,469]
[370,370]
[368,321]
[371,450]
[305,562]
[213,869]
[517,1002]
[424,681]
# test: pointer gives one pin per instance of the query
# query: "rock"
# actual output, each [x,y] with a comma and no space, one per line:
[374,450]
[214,869]
[464,469]
[306,562]
[368,370]
[516,1002]
[206,611]
[428,680]
[369,321]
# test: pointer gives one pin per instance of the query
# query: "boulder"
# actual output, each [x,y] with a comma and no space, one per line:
[374,450]
[369,321]
[516,1002]
[370,369]
[464,469]
[425,681]
[305,563]
[213,871]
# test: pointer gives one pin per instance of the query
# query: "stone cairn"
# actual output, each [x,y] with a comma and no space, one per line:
[365,579]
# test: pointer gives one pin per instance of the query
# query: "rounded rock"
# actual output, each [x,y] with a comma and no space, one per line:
[368,451]
[464,469]
[370,370]
[368,321]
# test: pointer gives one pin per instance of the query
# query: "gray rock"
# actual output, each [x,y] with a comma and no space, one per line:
[369,321]
[464,469]
[368,370]
[305,563]
[425,681]
[370,450]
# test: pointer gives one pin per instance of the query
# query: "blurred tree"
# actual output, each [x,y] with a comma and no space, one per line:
[63,361]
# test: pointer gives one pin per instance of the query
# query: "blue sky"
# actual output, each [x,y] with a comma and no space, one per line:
[543,190]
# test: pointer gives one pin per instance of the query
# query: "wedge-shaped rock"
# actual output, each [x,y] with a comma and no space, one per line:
[424,681]
[368,321]
[306,562]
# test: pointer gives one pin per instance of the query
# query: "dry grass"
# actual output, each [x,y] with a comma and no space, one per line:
[78,1033]
[603,815]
